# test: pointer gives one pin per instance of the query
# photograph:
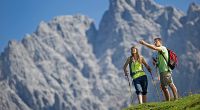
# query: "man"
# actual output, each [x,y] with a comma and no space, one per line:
[165,72]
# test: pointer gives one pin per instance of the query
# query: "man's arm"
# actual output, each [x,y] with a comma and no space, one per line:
[146,65]
[154,61]
[150,45]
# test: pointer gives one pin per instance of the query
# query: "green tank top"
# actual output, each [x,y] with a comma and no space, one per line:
[137,69]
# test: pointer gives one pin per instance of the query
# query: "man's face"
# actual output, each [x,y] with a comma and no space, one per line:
[157,43]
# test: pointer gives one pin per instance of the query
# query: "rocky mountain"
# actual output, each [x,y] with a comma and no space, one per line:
[186,45]
[127,21]
[67,64]
[54,68]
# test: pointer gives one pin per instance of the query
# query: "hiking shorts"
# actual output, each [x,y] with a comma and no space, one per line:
[140,85]
[166,79]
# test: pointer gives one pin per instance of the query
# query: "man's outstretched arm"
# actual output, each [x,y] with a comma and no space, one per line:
[150,45]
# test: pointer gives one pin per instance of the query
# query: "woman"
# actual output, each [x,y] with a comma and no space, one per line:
[135,62]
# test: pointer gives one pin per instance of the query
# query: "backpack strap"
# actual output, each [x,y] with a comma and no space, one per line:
[165,59]
[164,56]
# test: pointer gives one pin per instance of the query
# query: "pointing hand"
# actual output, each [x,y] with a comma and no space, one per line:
[142,42]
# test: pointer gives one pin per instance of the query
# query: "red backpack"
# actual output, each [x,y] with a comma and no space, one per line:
[173,59]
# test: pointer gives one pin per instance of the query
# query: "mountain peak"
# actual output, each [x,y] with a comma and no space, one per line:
[194,7]
[193,11]
[145,5]
[138,5]
[60,22]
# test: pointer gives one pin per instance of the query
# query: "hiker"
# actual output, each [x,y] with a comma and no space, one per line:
[135,62]
[164,70]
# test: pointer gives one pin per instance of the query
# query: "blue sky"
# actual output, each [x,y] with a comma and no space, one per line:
[18,17]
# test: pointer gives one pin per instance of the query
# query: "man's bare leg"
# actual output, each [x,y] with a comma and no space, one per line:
[166,94]
[174,90]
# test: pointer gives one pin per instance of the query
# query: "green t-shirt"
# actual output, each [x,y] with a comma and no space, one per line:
[162,64]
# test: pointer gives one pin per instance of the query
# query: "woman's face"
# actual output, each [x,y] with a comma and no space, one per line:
[134,50]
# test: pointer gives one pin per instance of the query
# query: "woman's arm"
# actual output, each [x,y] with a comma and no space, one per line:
[125,66]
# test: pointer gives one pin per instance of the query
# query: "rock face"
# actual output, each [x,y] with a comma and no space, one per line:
[55,69]
[67,64]
[185,43]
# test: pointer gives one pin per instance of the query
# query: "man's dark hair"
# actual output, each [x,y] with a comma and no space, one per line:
[159,39]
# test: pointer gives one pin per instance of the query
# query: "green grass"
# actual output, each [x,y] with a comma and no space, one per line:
[187,103]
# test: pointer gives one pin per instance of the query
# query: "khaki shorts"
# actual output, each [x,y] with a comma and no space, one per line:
[166,79]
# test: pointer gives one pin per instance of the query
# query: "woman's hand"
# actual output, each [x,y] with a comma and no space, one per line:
[126,72]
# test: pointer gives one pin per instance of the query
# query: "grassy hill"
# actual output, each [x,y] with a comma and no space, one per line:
[187,103]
